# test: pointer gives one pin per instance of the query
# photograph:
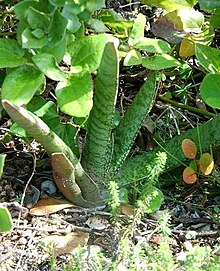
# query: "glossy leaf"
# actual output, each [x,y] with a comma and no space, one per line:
[137,32]
[74,96]
[21,84]
[46,63]
[189,175]
[12,55]
[87,51]
[187,48]
[6,222]
[189,148]
[206,163]
[133,57]
[215,19]
[160,62]
[208,57]
[29,40]
[37,19]
[153,45]
[170,5]
[210,90]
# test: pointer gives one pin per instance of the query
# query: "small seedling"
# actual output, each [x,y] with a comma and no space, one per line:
[205,164]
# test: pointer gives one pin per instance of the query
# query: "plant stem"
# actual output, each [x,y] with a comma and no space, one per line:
[188,107]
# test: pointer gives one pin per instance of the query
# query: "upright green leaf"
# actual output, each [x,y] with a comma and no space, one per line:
[2,162]
[137,32]
[153,45]
[74,96]
[21,84]
[125,134]
[11,54]
[95,154]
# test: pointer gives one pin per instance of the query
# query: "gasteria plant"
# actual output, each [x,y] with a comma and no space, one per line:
[105,151]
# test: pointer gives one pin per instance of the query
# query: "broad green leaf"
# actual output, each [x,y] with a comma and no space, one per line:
[6,223]
[67,133]
[95,156]
[151,199]
[37,19]
[210,90]
[137,32]
[209,4]
[2,162]
[159,62]
[38,33]
[57,28]
[31,41]
[153,45]
[73,23]
[93,5]
[98,26]
[87,51]
[208,57]
[58,50]
[133,57]
[46,63]
[170,5]
[11,54]
[185,19]
[21,84]
[74,96]
[22,8]
[215,19]
[115,21]
[126,132]
[57,3]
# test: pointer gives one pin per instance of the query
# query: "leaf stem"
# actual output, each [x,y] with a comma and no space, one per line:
[188,107]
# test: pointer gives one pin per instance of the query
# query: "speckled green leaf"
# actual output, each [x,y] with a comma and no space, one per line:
[95,153]
[125,134]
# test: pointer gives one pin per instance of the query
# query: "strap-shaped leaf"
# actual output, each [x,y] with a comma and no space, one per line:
[130,124]
[53,144]
[96,152]
[136,168]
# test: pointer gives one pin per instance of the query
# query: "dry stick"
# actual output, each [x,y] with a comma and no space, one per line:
[26,186]
[188,107]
